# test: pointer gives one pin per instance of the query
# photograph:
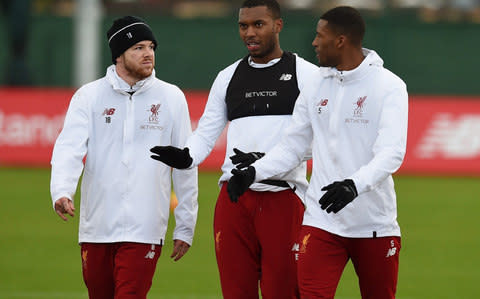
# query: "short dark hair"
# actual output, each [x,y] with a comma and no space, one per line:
[346,20]
[272,5]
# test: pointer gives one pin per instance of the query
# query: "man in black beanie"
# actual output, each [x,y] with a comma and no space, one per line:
[125,204]
[125,33]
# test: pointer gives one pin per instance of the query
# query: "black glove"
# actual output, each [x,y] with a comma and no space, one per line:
[172,156]
[338,195]
[239,182]
[242,160]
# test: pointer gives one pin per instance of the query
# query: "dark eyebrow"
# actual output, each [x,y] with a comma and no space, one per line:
[253,22]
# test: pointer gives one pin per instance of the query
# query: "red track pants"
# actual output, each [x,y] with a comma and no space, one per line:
[254,242]
[119,270]
[323,256]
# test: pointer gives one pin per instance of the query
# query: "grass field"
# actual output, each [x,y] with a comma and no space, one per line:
[39,255]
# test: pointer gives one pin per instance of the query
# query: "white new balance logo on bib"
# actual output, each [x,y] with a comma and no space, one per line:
[285,77]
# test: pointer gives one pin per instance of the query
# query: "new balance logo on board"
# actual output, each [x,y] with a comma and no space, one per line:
[451,136]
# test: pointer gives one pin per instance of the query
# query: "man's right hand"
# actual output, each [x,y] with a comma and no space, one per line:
[243,160]
[179,249]
[172,156]
[64,206]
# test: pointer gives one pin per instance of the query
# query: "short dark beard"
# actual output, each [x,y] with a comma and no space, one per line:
[271,45]
[137,73]
[329,62]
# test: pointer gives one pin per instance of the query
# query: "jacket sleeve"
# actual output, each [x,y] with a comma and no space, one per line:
[305,72]
[70,149]
[390,145]
[185,182]
[211,124]
[291,149]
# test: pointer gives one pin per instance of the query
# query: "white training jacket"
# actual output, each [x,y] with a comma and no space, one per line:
[125,195]
[248,134]
[357,121]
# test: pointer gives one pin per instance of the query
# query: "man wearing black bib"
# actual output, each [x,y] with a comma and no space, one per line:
[255,234]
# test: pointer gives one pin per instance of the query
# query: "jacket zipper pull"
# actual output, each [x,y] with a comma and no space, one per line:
[131,94]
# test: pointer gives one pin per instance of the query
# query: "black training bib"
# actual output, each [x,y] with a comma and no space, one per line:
[263,91]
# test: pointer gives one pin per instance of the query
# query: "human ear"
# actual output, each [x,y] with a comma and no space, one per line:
[340,41]
[278,25]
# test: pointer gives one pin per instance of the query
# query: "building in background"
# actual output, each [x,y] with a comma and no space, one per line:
[431,44]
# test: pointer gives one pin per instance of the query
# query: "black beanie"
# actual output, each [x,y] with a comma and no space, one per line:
[126,32]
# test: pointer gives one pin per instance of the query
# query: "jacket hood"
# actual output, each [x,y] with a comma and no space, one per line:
[119,85]
[372,60]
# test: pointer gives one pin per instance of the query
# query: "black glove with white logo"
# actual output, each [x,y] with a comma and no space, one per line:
[239,182]
[172,156]
[338,195]
[243,160]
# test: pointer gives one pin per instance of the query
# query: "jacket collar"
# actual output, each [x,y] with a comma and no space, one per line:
[371,60]
[119,85]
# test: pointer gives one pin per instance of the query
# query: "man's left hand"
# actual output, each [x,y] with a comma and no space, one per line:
[338,195]
[239,182]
